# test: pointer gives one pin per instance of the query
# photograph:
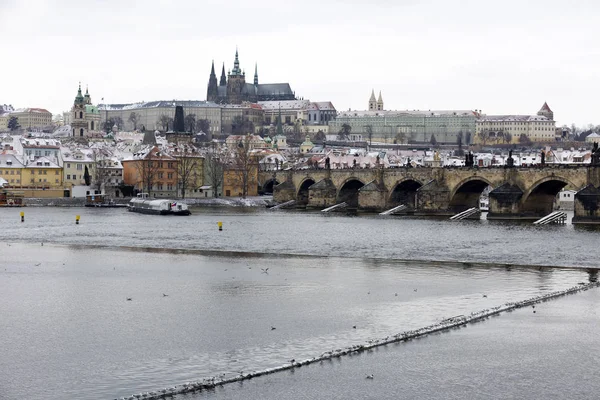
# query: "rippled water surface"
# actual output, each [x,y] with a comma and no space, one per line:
[69,332]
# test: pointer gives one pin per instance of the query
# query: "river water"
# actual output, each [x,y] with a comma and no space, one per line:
[69,332]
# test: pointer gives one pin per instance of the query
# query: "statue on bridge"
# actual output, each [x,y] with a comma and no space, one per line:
[543,155]
[327,163]
[469,159]
[510,162]
[595,154]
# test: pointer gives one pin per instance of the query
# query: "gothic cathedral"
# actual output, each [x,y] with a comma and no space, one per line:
[233,89]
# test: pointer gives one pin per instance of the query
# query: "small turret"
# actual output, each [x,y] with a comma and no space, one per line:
[223,81]
[87,98]
[255,74]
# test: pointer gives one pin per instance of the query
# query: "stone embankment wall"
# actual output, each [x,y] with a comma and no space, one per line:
[63,202]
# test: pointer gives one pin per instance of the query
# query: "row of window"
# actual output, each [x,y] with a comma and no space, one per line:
[169,175]
[159,186]
[43,172]
[44,181]
[74,177]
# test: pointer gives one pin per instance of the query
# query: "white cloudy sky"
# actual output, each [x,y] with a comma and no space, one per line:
[498,56]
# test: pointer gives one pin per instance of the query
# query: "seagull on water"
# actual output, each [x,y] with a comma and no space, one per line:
[165,295]
[129,299]
[265,270]
[370,376]
[38,264]
[485,295]
[273,328]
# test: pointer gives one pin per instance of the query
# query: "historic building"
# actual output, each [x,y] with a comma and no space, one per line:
[509,128]
[408,126]
[233,89]
[84,118]
[31,118]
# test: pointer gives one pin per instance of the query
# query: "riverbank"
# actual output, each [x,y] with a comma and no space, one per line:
[258,201]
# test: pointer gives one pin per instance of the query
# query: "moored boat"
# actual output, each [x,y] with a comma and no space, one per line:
[100,200]
[11,198]
[143,204]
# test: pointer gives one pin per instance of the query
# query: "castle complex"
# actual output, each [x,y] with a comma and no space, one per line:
[233,89]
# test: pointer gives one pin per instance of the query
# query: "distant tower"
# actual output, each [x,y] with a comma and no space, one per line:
[212,92]
[372,101]
[79,124]
[545,111]
[235,82]
[255,74]
[380,102]
[223,81]
[87,98]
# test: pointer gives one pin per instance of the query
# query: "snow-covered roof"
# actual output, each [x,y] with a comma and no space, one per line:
[391,113]
[156,104]
[516,118]
[284,105]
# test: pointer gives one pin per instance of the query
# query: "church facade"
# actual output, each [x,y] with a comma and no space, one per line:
[233,88]
[84,118]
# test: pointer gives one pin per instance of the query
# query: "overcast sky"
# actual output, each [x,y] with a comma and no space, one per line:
[503,57]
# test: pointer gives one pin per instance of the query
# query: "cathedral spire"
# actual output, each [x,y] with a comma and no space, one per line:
[236,65]
[279,127]
[212,69]
[223,81]
[255,74]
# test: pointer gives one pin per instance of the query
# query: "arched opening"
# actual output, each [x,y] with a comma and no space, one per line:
[92,127]
[540,201]
[268,186]
[405,193]
[81,132]
[467,195]
[302,197]
[80,114]
[349,192]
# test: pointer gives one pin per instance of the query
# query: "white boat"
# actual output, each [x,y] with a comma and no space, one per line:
[143,204]
[484,203]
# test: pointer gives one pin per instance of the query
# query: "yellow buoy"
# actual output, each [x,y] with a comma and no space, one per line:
[220,225]
[77,219]
[22,216]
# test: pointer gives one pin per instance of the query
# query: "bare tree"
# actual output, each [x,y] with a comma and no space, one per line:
[203,125]
[369,132]
[133,118]
[164,120]
[190,123]
[507,137]
[100,171]
[484,135]
[242,164]
[344,132]
[188,165]
[241,125]
[213,164]
[147,168]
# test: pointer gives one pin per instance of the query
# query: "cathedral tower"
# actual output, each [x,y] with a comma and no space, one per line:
[380,102]
[212,93]
[78,124]
[372,101]
[236,81]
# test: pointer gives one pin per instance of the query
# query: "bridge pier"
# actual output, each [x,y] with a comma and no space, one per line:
[283,192]
[433,198]
[372,197]
[505,202]
[322,194]
[587,206]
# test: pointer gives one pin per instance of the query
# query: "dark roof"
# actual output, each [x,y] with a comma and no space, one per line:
[274,89]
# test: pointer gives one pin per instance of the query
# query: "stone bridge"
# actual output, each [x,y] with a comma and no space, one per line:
[517,193]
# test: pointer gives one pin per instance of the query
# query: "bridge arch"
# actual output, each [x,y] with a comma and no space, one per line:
[302,194]
[467,193]
[405,192]
[539,199]
[348,191]
[267,187]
